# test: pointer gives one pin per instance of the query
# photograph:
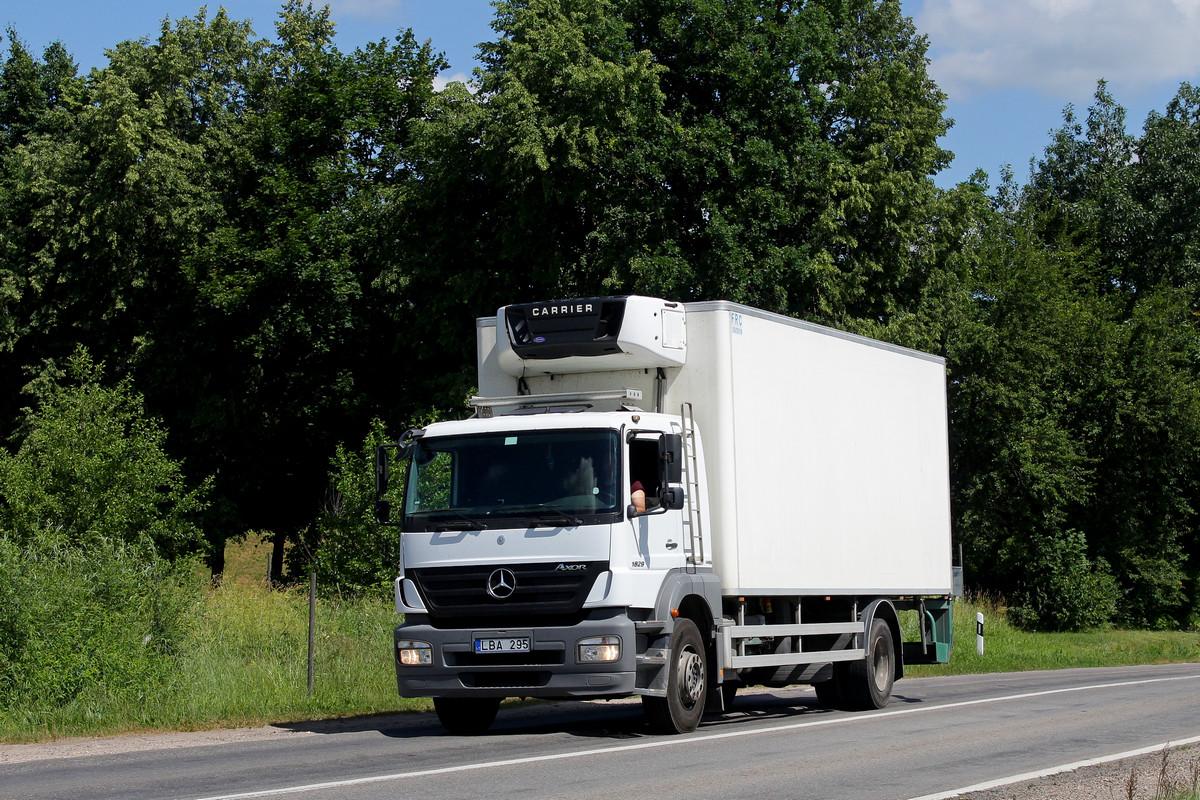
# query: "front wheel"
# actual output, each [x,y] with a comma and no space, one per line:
[466,715]
[687,683]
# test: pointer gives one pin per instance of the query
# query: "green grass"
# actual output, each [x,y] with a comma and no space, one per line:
[1009,649]
[246,664]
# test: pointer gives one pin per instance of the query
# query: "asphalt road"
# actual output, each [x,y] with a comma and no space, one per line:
[939,735]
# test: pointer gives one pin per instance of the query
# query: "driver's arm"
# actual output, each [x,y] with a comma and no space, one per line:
[637,496]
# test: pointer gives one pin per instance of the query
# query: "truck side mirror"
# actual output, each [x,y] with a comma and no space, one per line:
[670,497]
[383,512]
[670,458]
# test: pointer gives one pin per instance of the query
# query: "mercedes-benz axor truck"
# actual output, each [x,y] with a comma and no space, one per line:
[672,500]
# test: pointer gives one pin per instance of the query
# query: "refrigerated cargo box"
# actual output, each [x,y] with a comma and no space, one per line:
[826,452]
[827,456]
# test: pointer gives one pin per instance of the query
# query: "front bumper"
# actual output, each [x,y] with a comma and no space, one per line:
[549,670]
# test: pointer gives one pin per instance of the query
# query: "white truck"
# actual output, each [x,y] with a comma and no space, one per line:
[673,500]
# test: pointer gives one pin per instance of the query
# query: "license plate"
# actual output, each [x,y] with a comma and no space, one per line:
[504,644]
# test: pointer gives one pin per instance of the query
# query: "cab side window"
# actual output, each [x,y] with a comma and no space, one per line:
[643,467]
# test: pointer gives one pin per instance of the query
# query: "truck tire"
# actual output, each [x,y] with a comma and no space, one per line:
[466,716]
[687,684]
[867,684]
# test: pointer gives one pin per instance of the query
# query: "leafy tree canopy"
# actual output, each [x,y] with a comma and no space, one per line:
[92,471]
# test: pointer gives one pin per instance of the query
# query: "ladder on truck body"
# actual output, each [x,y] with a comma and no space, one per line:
[691,467]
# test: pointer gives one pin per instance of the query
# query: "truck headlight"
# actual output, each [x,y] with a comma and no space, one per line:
[412,654]
[597,649]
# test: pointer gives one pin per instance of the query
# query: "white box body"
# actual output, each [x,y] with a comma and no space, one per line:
[826,453]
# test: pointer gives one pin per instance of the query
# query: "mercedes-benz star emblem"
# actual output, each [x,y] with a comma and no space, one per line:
[501,584]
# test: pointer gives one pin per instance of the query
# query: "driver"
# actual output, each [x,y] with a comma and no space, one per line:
[637,496]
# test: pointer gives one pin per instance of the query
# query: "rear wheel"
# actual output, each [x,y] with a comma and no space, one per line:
[867,684]
[466,715]
[687,683]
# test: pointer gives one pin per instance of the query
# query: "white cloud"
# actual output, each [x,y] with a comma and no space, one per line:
[1060,47]
[440,81]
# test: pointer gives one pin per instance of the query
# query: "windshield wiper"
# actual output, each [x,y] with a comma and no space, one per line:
[553,512]
[448,525]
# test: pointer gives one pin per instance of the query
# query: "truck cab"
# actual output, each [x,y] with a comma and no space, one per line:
[528,568]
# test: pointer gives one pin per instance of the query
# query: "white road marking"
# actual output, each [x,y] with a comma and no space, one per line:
[1046,773]
[683,740]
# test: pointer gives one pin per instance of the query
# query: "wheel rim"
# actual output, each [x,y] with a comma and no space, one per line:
[881,664]
[691,674]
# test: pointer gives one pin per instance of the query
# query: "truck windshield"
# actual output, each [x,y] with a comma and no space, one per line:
[523,478]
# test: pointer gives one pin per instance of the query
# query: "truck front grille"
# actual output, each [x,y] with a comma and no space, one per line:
[543,590]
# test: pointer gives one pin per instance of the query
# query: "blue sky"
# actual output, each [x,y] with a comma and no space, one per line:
[1008,66]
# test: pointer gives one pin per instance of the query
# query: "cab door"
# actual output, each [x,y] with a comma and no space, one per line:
[658,532]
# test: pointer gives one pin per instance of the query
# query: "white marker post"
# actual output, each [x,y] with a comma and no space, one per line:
[979,633]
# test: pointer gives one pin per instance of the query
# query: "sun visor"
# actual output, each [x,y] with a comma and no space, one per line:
[591,334]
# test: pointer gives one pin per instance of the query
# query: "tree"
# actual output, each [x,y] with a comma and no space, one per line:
[1082,193]
[208,223]
[778,155]
[92,469]
[350,552]
[31,91]
[1076,405]
[36,97]
[1165,180]
[96,521]
[1018,468]
[774,154]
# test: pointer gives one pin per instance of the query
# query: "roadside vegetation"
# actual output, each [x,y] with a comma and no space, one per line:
[241,660]
[1177,777]
[1008,648]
